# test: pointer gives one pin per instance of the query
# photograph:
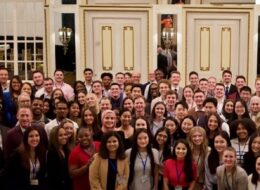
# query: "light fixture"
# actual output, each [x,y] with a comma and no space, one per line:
[65,37]
[168,36]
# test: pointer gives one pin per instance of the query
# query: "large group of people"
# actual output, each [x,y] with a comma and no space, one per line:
[117,133]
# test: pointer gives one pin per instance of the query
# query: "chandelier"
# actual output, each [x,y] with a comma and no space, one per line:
[65,37]
[168,37]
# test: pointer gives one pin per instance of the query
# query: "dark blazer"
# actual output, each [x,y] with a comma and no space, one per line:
[162,63]
[13,139]
[57,170]
[18,177]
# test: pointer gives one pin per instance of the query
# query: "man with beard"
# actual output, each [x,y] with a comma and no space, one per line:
[39,118]
[62,110]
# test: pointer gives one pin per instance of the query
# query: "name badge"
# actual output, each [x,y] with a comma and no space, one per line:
[34,182]
[178,188]
[120,179]
[144,178]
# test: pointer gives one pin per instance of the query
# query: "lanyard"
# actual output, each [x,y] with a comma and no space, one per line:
[143,162]
[226,179]
[198,160]
[113,165]
[34,164]
[240,152]
[178,175]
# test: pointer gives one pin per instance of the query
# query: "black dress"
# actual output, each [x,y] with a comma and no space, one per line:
[57,170]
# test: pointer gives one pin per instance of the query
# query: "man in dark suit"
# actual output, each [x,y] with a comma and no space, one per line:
[231,91]
[15,135]
[175,79]
[162,62]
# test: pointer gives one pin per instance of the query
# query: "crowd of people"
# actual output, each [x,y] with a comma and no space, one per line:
[116,133]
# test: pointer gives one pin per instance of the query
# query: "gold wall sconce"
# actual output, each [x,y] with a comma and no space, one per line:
[65,37]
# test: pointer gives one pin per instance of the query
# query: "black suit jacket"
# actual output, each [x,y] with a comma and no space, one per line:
[57,170]
[13,139]
[162,63]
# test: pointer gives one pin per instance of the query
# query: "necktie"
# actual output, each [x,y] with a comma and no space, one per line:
[226,91]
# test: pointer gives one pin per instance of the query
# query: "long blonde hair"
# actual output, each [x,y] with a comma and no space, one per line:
[204,145]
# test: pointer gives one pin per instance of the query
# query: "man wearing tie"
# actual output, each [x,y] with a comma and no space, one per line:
[230,89]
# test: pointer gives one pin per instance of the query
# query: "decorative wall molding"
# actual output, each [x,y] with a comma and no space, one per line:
[107,47]
[128,35]
[204,48]
[122,2]
[225,48]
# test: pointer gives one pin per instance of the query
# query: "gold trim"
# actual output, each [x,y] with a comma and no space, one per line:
[225,29]
[105,30]
[46,45]
[128,66]
[242,10]
[144,9]
[105,7]
[203,67]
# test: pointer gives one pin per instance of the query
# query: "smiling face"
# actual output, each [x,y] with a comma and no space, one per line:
[255,146]
[212,123]
[229,106]
[242,133]
[140,124]
[84,137]
[257,165]
[33,139]
[142,140]
[15,84]
[159,110]
[24,116]
[239,109]
[88,117]
[27,89]
[91,100]
[220,144]
[229,158]
[81,98]
[169,124]
[112,144]
[128,104]
[126,118]
[188,93]
[74,110]
[186,125]
[161,138]
[69,128]
[197,138]
[109,121]
[105,104]
[181,151]
[62,137]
